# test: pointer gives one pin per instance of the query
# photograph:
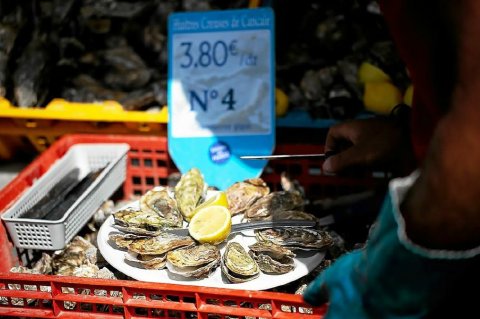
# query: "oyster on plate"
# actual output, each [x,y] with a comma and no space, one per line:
[290,215]
[237,265]
[140,222]
[196,262]
[189,191]
[160,202]
[122,240]
[264,207]
[147,261]
[160,244]
[242,195]
[272,258]
[296,238]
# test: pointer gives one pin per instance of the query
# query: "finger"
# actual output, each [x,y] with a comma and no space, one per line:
[316,293]
[348,158]
[338,137]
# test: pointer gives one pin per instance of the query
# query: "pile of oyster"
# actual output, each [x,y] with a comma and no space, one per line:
[141,234]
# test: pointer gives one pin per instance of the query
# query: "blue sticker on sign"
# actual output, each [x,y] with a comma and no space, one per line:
[219,152]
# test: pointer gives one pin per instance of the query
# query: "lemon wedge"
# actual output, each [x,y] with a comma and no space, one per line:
[281,103]
[368,72]
[381,97]
[211,224]
[408,96]
[217,199]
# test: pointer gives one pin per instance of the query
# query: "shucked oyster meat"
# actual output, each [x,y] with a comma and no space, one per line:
[123,240]
[274,202]
[159,244]
[160,202]
[196,262]
[272,258]
[189,191]
[296,238]
[242,195]
[237,265]
[140,222]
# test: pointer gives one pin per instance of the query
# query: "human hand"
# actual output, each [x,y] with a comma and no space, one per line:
[370,143]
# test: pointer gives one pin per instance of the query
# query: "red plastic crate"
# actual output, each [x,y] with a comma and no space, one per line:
[41,296]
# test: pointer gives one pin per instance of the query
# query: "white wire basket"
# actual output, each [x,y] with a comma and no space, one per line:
[55,234]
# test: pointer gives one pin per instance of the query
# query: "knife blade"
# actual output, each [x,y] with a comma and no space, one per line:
[286,156]
[324,221]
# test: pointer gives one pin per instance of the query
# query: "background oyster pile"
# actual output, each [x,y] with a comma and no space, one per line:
[91,50]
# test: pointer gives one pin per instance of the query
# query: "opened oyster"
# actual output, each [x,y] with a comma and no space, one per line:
[147,261]
[242,195]
[272,258]
[189,191]
[159,244]
[159,202]
[296,238]
[140,222]
[237,265]
[123,240]
[290,215]
[196,262]
[274,202]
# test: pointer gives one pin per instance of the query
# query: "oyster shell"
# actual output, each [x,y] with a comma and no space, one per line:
[273,202]
[296,238]
[196,262]
[123,240]
[140,222]
[272,258]
[290,215]
[147,261]
[237,265]
[159,202]
[159,244]
[189,191]
[77,253]
[242,195]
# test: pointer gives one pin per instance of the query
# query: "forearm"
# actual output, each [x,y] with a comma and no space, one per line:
[442,209]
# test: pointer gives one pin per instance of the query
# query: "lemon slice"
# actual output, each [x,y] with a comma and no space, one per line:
[211,224]
[217,199]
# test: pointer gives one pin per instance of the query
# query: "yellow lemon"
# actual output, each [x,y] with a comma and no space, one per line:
[368,72]
[408,96]
[281,103]
[211,224]
[218,198]
[381,97]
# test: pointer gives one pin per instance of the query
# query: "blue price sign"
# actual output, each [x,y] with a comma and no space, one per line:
[221,92]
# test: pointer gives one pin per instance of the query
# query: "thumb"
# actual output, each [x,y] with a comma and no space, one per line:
[346,159]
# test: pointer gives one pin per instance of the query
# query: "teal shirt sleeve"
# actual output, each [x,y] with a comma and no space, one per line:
[391,277]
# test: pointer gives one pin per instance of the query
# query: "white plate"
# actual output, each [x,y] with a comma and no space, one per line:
[304,263]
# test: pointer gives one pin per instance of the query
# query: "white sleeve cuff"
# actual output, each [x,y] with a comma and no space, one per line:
[398,188]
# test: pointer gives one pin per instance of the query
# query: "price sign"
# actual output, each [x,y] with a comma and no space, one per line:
[221,92]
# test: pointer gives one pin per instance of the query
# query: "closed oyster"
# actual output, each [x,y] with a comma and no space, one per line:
[237,265]
[159,244]
[196,262]
[147,261]
[160,202]
[189,191]
[140,222]
[274,202]
[296,238]
[272,258]
[242,195]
